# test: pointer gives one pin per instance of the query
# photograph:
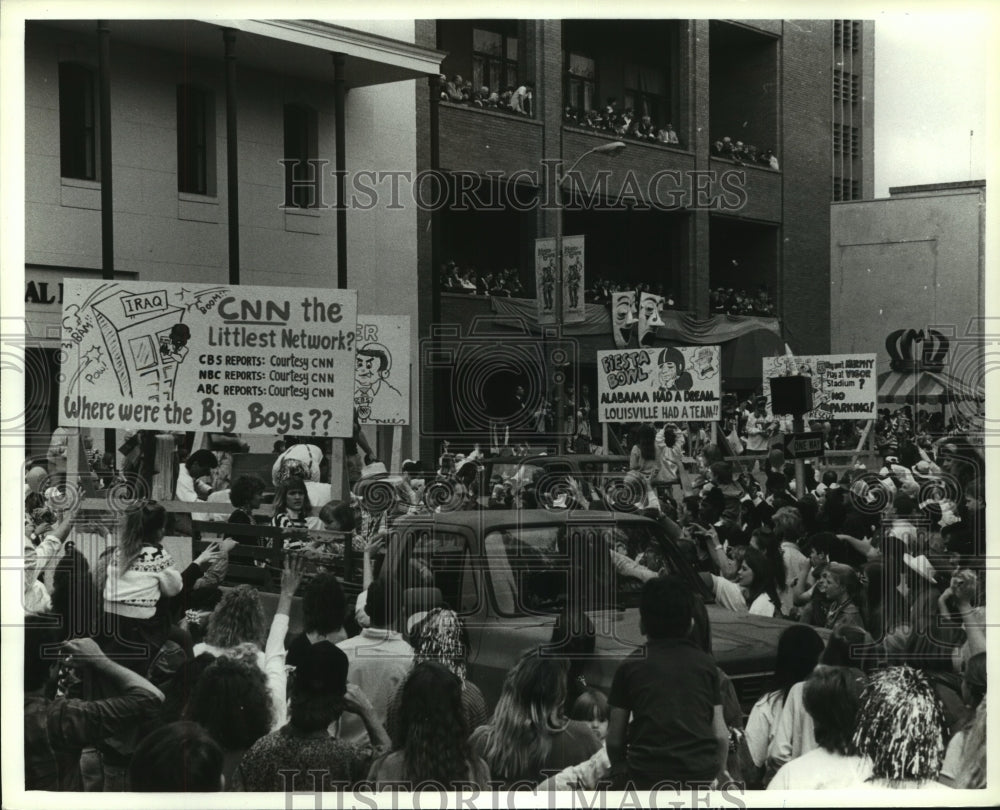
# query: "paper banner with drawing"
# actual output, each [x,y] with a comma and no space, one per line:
[623,317]
[382,370]
[659,385]
[844,385]
[545,280]
[650,307]
[574,279]
[208,357]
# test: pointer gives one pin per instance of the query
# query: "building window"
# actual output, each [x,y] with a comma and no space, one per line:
[845,86]
[845,140]
[301,145]
[77,122]
[845,189]
[645,91]
[494,60]
[581,82]
[847,34]
[195,137]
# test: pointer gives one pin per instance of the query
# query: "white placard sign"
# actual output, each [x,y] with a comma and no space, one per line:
[382,370]
[208,357]
[845,386]
[659,385]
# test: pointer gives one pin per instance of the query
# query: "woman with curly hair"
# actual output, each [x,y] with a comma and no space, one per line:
[529,733]
[433,748]
[900,729]
[238,619]
[232,702]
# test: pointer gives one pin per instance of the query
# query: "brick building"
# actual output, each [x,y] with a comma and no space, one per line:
[803,89]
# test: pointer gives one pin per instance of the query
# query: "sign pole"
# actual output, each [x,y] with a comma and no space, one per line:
[397,449]
[604,438]
[799,426]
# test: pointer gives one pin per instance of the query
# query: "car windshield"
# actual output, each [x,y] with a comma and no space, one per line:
[596,566]
[598,484]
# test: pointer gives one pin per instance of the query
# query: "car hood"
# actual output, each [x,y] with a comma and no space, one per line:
[741,644]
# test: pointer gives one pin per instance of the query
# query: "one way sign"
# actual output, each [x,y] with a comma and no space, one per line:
[803,445]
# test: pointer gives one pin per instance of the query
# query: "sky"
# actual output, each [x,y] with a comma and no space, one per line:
[930,91]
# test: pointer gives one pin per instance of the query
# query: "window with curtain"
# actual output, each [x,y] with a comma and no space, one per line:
[194,140]
[646,92]
[301,145]
[494,60]
[77,122]
[581,82]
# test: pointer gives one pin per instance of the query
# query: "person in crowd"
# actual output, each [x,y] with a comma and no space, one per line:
[441,637]
[133,577]
[591,707]
[238,620]
[301,755]
[57,729]
[900,728]
[678,734]
[380,658]
[831,696]
[794,735]
[305,461]
[324,607]
[760,428]
[732,712]
[232,702]
[433,744]
[193,476]
[971,770]
[799,649]
[179,757]
[292,507]
[788,531]
[842,589]
[645,455]
[756,577]
[973,693]
[528,733]
[245,496]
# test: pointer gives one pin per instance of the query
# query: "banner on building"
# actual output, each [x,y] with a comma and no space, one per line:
[574,279]
[208,357]
[659,385]
[382,370]
[844,386]
[623,317]
[545,280]
[650,307]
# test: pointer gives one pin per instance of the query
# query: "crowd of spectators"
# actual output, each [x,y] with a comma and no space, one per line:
[728,301]
[518,100]
[505,283]
[622,123]
[741,153]
[163,680]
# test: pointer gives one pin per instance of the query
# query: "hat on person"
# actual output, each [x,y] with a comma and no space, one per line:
[374,470]
[409,465]
[321,668]
[922,566]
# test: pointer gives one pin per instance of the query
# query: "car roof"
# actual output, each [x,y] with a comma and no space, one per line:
[489,518]
[581,458]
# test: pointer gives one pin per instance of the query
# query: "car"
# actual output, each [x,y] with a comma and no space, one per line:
[510,573]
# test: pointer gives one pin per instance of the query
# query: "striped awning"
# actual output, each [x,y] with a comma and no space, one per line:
[925,387]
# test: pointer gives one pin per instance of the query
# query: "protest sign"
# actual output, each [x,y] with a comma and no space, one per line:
[574,279]
[844,385]
[208,357]
[659,385]
[382,370]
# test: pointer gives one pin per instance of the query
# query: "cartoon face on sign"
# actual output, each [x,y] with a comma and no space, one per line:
[671,373]
[623,316]
[649,317]
[372,365]
[703,363]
